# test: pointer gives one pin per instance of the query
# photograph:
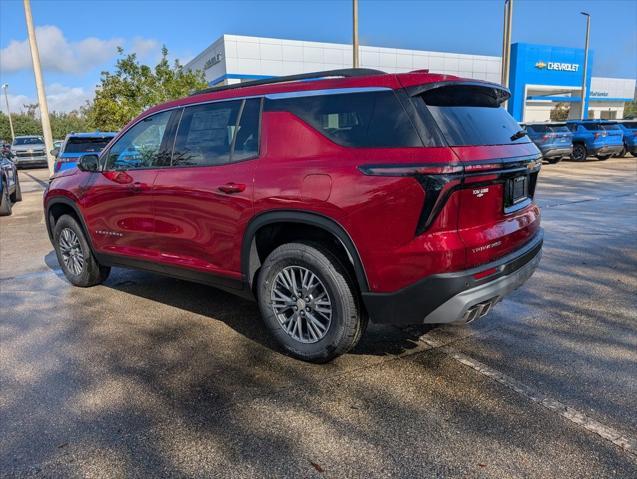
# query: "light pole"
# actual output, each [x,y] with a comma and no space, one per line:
[506,42]
[355,33]
[6,99]
[584,113]
[39,84]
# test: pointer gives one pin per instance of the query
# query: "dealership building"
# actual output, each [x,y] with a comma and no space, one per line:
[541,76]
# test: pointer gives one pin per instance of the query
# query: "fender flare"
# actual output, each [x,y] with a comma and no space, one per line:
[67,202]
[304,217]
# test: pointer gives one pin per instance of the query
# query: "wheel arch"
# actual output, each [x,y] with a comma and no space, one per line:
[58,206]
[251,260]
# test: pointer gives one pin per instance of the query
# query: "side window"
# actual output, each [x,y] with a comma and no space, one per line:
[369,119]
[141,146]
[205,134]
[246,142]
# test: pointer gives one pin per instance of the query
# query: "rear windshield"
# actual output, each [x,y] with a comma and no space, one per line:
[85,145]
[630,124]
[472,115]
[560,129]
[539,128]
[28,141]
[592,126]
[611,127]
[364,119]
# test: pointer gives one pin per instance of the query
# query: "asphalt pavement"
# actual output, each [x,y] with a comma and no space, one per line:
[147,376]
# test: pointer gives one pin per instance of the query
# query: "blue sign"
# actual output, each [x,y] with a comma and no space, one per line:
[545,65]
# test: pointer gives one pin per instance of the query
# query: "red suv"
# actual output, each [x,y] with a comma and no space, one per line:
[332,198]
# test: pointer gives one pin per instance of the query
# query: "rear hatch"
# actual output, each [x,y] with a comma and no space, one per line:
[614,134]
[563,138]
[496,213]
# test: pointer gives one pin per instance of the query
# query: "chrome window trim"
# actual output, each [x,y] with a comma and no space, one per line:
[326,91]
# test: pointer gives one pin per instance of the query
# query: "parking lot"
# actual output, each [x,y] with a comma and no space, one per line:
[151,376]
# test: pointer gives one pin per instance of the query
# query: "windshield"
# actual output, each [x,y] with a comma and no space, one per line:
[35,140]
[472,115]
[85,145]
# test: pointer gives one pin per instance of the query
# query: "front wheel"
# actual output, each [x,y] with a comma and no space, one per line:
[579,152]
[603,157]
[75,256]
[309,302]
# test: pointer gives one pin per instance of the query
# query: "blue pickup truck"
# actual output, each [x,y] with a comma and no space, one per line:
[600,138]
[629,129]
[553,139]
[78,144]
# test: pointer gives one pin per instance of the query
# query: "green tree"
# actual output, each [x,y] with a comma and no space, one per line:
[134,87]
[28,124]
[630,109]
[560,112]
[22,124]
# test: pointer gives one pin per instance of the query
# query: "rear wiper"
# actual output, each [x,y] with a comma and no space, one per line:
[517,135]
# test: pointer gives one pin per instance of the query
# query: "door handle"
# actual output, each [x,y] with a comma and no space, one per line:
[138,187]
[231,188]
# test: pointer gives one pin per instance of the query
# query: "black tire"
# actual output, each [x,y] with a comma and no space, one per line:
[91,272]
[554,161]
[347,323]
[579,152]
[17,194]
[622,153]
[603,157]
[5,199]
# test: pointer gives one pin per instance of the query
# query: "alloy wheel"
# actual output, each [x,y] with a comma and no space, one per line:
[302,304]
[71,251]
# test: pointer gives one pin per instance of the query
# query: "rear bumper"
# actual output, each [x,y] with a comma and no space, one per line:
[557,152]
[606,150]
[456,297]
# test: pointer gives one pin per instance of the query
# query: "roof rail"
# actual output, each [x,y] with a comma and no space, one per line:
[346,72]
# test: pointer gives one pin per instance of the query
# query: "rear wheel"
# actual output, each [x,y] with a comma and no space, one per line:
[554,161]
[579,152]
[309,302]
[17,194]
[75,256]
[603,157]
[5,200]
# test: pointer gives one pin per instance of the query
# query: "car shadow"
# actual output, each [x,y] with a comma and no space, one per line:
[239,314]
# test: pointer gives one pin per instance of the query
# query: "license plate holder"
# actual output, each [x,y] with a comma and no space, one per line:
[517,191]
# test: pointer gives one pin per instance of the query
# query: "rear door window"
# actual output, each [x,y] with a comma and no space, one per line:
[472,115]
[362,119]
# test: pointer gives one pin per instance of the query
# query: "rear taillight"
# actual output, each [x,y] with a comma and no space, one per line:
[409,170]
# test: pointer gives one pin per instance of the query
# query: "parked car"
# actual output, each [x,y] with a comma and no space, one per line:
[77,144]
[591,137]
[554,140]
[629,129]
[29,151]
[9,182]
[398,198]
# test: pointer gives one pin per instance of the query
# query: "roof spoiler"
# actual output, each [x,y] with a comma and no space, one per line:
[503,93]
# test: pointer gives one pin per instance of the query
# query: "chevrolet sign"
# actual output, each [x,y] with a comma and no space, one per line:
[564,67]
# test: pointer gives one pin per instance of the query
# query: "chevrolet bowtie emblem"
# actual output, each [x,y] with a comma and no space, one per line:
[540,65]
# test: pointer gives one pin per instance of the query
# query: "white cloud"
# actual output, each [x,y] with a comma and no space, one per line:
[60,55]
[60,98]
[144,47]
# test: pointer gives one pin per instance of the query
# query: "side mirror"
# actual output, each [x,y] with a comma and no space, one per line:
[88,163]
[55,152]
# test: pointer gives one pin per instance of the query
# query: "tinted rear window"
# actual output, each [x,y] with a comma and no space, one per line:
[472,115]
[611,127]
[539,128]
[369,119]
[630,124]
[85,145]
[28,141]
[560,129]
[592,126]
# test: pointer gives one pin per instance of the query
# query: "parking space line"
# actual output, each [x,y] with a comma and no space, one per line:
[624,441]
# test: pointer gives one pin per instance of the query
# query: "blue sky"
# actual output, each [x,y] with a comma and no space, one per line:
[78,38]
